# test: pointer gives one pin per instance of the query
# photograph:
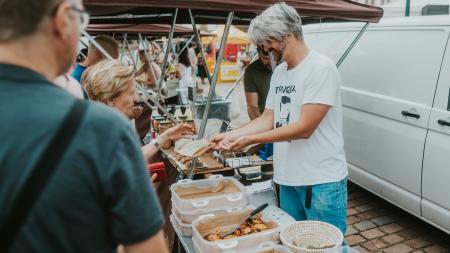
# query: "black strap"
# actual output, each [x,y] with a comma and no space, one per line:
[40,175]
[308,196]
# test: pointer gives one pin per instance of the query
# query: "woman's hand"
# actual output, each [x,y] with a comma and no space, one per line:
[177,132]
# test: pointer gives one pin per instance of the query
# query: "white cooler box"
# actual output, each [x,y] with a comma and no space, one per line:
[264,248]
[235,195]
[270,215]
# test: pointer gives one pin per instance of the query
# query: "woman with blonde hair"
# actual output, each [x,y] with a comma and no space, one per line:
[112,83]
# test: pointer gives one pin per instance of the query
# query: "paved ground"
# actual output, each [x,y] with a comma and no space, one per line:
[374,225]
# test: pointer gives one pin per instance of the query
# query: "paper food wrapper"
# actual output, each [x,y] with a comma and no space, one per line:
[222,222]
[189,148]
[220,188]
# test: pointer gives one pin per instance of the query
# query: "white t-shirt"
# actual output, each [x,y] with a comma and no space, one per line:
[321,158]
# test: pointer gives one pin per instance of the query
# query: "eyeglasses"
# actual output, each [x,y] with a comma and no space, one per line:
[84,17]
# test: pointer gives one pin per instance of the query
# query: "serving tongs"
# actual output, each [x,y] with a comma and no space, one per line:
[245,219]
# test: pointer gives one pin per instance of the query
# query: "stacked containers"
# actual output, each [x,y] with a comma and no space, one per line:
[215,200]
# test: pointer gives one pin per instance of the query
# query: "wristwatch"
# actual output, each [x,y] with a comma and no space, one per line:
[155,143]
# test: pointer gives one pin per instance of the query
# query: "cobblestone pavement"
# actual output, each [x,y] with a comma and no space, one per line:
[374,225]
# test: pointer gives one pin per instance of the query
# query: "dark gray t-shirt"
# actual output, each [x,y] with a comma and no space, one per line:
[257,79]
[100,195]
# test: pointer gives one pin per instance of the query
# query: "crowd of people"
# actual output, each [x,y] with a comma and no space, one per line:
[72,168]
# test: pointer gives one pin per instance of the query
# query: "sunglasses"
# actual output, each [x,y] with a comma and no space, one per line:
[262,51]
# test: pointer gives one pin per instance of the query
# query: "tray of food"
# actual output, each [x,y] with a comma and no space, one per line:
[207,231]
[214,192]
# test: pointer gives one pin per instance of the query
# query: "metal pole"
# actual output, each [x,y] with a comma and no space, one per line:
[155,102]
[407,8]
[212,87]
[84,44]
[200,45]
[166,55]
[185,46]
[338,64]
[239,78]
[100,48]
[131,16]
[122,50]
[131,55]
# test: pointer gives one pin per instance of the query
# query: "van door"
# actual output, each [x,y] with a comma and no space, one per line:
[436,164]
[388,82]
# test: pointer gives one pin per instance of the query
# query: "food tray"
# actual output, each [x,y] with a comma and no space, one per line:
[238,197]
[238,243]
[190,216]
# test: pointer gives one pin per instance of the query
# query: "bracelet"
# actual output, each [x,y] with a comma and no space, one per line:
[155,143]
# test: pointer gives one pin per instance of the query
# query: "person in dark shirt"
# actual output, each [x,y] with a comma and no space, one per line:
[99,196]
[256,84]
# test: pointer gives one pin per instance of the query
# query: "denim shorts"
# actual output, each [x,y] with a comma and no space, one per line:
[328,203]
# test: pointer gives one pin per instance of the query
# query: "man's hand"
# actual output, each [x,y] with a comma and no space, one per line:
[241,143]
[223,141]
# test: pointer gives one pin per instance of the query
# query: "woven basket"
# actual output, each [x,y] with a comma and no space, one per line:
[311,233]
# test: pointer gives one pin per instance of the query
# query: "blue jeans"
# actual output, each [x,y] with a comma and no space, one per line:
[328,203]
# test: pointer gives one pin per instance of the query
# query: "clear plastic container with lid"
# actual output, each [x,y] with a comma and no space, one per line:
[212,193]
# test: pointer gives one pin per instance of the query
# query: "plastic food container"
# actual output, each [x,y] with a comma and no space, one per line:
[190,216]
[238,243]
[267,247]
[234,195]
[185,229]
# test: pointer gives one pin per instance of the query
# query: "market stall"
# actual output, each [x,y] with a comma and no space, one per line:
[218,193]
[237,40]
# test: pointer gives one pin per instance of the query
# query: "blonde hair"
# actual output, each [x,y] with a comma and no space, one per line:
[106,80]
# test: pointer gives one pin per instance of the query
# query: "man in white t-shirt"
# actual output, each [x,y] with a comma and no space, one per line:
[303,117]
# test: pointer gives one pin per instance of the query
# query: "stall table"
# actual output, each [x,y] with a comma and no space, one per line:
[256,199]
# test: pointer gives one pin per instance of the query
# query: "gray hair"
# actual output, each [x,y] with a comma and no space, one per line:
[275,23]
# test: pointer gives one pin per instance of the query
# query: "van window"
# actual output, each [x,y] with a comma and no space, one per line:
[397,63]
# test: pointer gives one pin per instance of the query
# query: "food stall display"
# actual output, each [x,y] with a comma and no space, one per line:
[205,207]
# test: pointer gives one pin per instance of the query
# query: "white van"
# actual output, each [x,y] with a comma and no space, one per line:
[395,90]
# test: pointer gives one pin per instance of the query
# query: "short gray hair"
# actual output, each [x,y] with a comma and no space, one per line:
[275,23]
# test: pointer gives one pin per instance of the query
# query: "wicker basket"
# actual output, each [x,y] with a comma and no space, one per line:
[311,233]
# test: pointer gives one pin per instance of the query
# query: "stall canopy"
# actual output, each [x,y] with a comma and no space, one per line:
[235,36]
[144,29]
[214,11]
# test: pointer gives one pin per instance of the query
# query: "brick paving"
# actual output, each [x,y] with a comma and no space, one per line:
[374,225]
